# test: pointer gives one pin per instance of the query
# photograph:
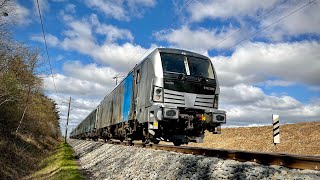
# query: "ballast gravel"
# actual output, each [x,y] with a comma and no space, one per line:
[107,161]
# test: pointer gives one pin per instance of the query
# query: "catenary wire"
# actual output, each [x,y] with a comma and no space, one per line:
[256,19]
[45,42]
[273,23]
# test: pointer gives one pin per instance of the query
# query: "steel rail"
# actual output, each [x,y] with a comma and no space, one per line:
[285,160]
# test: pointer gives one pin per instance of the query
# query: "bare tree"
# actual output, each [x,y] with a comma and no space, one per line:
[6,8]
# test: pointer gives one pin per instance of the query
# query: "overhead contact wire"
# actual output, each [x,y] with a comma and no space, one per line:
[260,17]
[273,23]
[45,42]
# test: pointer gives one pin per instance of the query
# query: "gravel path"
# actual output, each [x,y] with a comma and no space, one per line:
[106,161]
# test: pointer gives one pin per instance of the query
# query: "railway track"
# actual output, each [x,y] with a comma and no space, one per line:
[285,160]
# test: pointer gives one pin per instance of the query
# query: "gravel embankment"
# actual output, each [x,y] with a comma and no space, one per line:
[106,161]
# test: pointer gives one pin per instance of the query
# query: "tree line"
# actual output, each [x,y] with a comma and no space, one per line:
[29,120]
[24,107]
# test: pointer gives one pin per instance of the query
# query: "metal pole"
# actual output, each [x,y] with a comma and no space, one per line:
[65,136]
[116,78]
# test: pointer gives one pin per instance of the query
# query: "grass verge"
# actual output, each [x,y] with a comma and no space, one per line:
[59,165]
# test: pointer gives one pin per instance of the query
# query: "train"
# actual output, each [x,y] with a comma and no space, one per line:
[172,95]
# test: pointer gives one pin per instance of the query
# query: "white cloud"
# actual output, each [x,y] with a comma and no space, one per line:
[241,94]
[80,37]
[147,3]
[115,55]
[259,14]
[70,8]
[121,57]
[252,64]
[257,62]
[121,10]
[81,80]
[199,40]
[270,83]
[111,32]
[51,39]
[109,8]
[80,108]
[252,115]
[247,104]
[213,9]
[59,57]
[91,73]
[302,22]
[44,6]
[71,85]
[249,95]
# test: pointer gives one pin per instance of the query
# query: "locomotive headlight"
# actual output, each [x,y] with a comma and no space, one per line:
[158,91]
[220,117]
[216,102]
[171,113]
[157,94]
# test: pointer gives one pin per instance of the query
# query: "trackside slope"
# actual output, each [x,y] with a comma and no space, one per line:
[108,161]
[300,138]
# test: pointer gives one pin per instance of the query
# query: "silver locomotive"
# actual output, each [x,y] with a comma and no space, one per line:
[171,95]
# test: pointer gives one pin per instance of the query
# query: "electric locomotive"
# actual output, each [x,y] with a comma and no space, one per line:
[171,95]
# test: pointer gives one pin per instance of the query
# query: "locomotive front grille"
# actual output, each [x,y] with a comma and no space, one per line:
[204,101]
[174,97]
[177,98]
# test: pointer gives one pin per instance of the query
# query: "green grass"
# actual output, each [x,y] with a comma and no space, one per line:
[59,165]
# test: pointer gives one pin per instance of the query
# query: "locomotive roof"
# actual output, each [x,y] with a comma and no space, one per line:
[173,51]
[181,51]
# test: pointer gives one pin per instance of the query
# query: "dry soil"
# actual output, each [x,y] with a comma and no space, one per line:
[300,138]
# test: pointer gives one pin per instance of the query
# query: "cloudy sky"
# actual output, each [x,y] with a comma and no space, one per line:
[266,53]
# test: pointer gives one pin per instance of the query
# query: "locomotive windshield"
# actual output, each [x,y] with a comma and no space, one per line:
[188,65]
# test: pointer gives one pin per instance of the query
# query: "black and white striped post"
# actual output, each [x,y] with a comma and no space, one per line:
[276,129]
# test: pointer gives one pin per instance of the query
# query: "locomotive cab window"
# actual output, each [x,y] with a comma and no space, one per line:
[138,76]
[200,67]
[173,63]
[176,63]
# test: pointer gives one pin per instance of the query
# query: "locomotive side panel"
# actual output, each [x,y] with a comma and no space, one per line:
[117,104]
[98,121]
[149,82]
[92,120]
[127,101]
[105,114]
[116,107]
[142,92]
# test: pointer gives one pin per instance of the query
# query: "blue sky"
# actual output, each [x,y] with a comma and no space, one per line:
[90,41]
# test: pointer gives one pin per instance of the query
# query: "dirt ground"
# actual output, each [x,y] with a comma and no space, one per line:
[300,138]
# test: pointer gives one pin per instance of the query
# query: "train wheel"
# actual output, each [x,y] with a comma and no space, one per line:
[130,143]
[156,141]
[145,141]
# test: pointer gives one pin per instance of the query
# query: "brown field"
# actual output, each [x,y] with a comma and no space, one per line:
[300,138]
